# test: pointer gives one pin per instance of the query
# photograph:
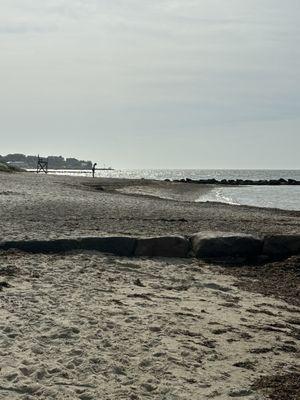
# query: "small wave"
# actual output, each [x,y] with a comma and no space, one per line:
[217,195]
[286,198]
[220,197]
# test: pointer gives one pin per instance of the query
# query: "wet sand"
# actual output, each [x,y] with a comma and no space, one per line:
[40,206]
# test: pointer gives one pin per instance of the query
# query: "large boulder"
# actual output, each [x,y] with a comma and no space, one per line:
[225,244]
[281,245]
[163,246]
[119,245]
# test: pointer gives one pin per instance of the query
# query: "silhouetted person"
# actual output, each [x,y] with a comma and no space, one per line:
[94,169]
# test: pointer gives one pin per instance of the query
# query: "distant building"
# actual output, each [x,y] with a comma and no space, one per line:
[55,162]
[20,164]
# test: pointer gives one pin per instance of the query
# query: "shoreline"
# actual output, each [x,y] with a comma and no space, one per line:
[50,206]
[167,191]
[198,194]
[261,193]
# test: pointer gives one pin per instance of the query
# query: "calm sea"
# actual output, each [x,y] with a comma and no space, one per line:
[284,197]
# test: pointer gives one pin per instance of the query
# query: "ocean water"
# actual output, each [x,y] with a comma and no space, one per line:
[283,197]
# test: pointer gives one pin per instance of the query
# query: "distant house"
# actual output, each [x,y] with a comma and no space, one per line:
[20,164]
[86,165]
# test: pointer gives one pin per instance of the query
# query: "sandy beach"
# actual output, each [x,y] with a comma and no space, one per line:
[86,325]
[150,200]
[49,206]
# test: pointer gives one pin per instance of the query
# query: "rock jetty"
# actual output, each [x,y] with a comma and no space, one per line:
[237,182]
[203,245]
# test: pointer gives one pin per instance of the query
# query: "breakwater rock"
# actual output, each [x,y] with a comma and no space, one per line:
[162,246]
[225,244]
[238,182]
[203,245]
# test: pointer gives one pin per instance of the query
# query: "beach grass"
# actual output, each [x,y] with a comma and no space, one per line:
[9,168]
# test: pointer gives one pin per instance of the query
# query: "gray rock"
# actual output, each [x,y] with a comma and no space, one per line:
[225,244]
[163,246]
[41,246]
[122,246]
[281,245]
[119,245]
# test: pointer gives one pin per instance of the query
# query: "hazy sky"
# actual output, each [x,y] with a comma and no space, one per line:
[162,84]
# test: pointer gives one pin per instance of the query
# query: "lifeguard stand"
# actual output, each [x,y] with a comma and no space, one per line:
[42,165]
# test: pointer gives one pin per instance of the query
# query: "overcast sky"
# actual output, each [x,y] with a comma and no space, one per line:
[161,84]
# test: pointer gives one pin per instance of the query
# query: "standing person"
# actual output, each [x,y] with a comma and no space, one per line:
[94,169]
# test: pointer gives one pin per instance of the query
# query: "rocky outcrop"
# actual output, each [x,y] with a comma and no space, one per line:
[163,246]
[225,244]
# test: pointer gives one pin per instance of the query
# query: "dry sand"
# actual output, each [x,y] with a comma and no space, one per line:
[92,326]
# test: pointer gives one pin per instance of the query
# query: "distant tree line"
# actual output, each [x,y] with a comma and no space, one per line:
[54,162]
